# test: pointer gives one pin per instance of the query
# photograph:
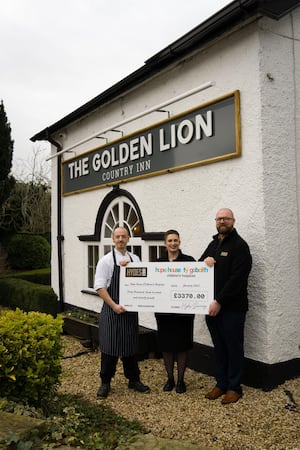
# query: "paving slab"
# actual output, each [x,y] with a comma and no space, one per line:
[151,442]
[22,426]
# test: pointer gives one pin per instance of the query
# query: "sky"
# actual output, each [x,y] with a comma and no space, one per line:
[57,55]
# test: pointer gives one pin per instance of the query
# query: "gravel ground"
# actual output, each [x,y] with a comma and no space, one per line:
[259,421]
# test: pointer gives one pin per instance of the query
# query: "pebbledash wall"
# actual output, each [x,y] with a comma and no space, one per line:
[245,57]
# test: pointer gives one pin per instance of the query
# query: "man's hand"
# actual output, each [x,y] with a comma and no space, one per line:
[103,293]
[214,308]
[118,309]
[210,261]
[124,262]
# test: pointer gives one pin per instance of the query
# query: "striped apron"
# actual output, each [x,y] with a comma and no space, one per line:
[118,333]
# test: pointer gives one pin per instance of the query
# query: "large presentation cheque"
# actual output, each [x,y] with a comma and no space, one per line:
[177,287]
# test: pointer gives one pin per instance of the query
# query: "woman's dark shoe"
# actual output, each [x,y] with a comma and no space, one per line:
[180,387]
[169,385]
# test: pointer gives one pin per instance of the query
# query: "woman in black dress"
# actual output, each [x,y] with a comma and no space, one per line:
[175,331]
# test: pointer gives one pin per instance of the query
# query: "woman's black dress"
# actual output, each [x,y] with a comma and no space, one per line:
[175,331]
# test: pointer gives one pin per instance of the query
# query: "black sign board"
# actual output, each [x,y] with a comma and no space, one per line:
[202,135]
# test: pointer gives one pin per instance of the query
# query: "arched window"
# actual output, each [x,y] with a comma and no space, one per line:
[121,213]
[119,209]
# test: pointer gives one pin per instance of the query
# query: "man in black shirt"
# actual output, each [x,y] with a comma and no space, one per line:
[232,261]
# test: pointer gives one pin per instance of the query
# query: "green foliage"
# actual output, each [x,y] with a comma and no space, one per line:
[75,422]
[14,441]
[83,314]
[47,235]
[26,251]
[94,426]
[6,144]
[39,276]
[7,181]
[18,293]
[30,352]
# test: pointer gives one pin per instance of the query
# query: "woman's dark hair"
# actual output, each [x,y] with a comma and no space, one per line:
[170,232]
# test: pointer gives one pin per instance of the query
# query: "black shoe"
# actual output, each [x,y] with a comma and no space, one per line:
[180,387]
[103,390]
[170,384]
[138,386]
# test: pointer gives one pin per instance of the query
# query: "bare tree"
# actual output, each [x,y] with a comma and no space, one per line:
[28,208]
[35,169]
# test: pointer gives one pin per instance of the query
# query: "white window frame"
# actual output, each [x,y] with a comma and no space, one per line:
[108,225]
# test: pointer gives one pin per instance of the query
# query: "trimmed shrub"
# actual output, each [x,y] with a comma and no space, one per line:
[30,355]
[18,293]
[39,276]
[26,251]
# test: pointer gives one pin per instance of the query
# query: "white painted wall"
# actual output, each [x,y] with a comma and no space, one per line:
[262,187]
[280,190]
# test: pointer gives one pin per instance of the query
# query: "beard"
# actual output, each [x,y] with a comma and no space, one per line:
[224,229]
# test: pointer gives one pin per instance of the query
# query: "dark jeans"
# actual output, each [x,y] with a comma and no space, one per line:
[227,333]
[109,365]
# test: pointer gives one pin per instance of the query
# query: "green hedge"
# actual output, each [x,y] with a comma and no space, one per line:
[39,276]
[27,251]
[18,293]
[30,355]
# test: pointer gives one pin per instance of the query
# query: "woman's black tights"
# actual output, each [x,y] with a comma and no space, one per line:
[169,359]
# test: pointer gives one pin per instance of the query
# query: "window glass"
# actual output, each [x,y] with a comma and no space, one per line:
[93,256]
[110,222]
[137,250]
[107,249]
[156,252]
[115,212]
[161,251]
[108,231]
[126,210]
[132,218]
